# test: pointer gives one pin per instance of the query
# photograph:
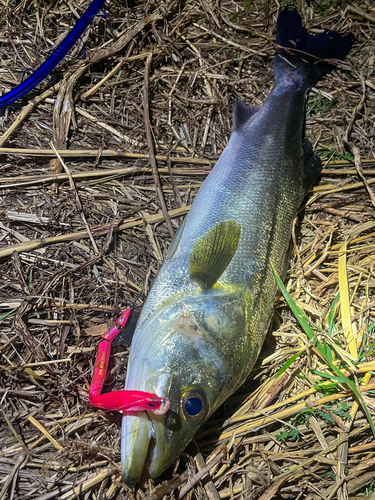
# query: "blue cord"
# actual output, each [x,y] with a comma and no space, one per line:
[53,60]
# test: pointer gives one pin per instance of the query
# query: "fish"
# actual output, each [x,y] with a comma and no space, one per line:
[204,321]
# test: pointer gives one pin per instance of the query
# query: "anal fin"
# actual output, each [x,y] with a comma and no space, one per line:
[312,164]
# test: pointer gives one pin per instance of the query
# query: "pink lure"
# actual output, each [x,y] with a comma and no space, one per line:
[131,401]
[124,401]
[104,352]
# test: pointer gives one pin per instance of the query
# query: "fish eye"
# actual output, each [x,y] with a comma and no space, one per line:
[194,405]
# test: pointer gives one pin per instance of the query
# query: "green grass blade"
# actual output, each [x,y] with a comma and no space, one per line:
[331,316]
[7,314]
[326,375]
[288,363]
[303,321]
[328,350]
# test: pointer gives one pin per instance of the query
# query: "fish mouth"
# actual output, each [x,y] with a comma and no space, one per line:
[143,450]
[135,441]
[143,438]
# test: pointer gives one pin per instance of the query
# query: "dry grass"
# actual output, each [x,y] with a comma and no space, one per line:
[83,238]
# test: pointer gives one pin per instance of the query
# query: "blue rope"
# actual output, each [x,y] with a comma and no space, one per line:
[53,60]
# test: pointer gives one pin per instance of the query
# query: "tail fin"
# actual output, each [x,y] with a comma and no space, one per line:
[308,54]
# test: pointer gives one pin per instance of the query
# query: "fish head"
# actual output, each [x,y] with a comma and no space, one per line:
[175,354]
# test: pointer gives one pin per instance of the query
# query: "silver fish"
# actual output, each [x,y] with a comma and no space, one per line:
[207,314]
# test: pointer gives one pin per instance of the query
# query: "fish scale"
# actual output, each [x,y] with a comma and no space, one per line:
[207,314]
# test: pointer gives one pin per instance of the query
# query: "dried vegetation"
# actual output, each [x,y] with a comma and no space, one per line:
[82,236]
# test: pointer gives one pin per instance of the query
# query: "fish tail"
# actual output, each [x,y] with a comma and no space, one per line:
[310,56]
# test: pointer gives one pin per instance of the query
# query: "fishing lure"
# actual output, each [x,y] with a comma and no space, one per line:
[57,56]
[123,401]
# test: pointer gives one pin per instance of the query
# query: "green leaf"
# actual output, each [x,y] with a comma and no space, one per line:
[326,417]
[282,437]
[326,387]
[303,321]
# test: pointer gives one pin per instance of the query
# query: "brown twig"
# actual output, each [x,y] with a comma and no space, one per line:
[199,475]
[99,231]
[358,166]
[150,145]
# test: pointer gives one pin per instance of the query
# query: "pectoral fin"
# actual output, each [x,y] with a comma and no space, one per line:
[212,253]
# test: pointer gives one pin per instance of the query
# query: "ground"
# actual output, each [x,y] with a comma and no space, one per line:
[83,236]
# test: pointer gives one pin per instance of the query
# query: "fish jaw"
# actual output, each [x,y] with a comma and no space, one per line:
[135,441]
[149,446]
[142,439]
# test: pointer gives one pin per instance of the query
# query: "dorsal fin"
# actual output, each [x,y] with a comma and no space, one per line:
[212,253]
[242,113]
